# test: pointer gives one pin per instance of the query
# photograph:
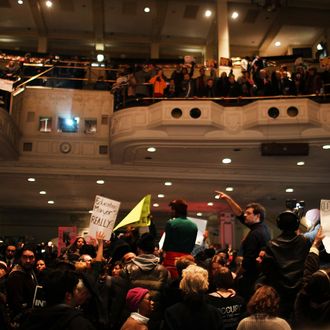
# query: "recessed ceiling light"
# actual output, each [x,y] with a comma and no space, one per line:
[31,179]
[20,2]
[100,181]
[301,163]
[151,149]
[161,195]
[226,161]
[51,202]
[146,9]
[229,189]
[326,146]
[289,190]
[277,44]
[234,15]
[49,3]
[199,214]
[90,211]
[217,197]
[210,204]
[168,183]
[42,192]
[100,57]
[208,13]
[155,205]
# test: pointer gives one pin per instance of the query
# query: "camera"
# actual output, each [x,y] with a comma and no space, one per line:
[295,207]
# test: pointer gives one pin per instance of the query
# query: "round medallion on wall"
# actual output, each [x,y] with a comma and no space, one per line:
[65,147]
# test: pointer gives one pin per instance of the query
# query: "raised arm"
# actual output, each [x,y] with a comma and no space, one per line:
[236,209]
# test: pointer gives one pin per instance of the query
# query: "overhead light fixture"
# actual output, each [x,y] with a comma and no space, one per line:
[100,181]
[42,192]
[199,214]
[326,146]
[151,149]
[100,57]
[301,163]
[51,202]
[20,2]
[161,195]
[277,44]
[226,161]
[319,46]
[289,190]
[49,3]
[210,204]
[155,205]
[208,13]
[234,15]
[229,189]
[217,197]
[31,179]
[146,9]
[168,183]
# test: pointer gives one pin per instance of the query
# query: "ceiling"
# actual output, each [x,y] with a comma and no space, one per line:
[75,26]
[177,27]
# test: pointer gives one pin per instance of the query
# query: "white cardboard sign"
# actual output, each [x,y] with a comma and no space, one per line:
[104,216]
[325,222]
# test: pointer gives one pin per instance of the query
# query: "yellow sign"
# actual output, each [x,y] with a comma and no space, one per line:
[139,216]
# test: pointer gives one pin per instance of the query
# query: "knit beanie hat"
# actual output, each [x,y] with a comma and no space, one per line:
[134,297]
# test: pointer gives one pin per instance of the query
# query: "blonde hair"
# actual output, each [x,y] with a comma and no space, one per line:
[194,280]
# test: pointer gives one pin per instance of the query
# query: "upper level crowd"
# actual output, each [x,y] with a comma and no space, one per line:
[254,78]
[130,283]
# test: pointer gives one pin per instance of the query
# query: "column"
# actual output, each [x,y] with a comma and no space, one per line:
[223,29]
[154,50]
[42,44]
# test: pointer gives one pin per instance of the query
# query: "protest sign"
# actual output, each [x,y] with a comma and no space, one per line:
[103,217]
[325,222]
[66,236]
[6,85]
[140,215]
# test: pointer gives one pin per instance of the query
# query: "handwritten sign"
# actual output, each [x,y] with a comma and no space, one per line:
[103,217]
[325,222]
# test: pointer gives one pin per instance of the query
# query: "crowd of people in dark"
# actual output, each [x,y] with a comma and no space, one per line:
[130,282]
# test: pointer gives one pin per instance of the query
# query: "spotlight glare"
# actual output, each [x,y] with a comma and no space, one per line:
[208,13]
[49,3]
[234,15]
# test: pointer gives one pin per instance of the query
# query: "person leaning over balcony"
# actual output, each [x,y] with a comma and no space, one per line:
[159,83]
[257,238]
